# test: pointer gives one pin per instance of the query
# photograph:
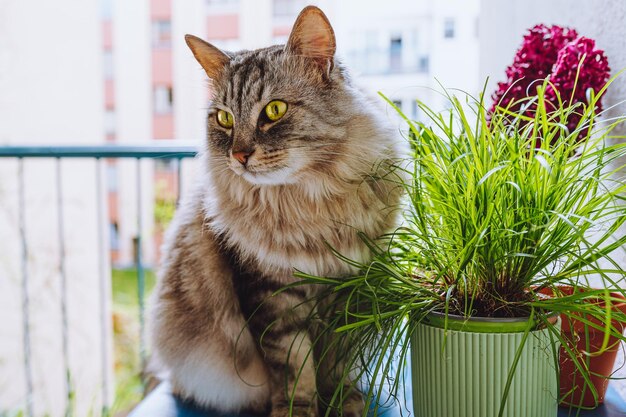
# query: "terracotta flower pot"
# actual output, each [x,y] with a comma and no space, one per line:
[573,389]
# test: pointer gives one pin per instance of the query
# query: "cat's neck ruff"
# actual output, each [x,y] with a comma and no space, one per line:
[279,228]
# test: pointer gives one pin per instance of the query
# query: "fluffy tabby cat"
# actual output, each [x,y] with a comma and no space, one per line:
[292,165]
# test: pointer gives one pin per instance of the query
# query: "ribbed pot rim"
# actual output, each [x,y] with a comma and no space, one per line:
[484,324]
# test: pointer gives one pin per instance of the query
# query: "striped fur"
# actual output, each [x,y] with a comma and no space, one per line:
[220,330]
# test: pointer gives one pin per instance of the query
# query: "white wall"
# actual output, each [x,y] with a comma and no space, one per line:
[51,93]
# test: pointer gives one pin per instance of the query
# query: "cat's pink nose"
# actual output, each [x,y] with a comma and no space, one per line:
[242,156]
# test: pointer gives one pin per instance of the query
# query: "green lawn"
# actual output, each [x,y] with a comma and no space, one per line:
[128,386]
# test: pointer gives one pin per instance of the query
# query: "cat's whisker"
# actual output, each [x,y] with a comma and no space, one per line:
[343,157]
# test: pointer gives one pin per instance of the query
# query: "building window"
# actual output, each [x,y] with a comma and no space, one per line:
[107,63]
[109,122]
[163,99]
[161,33]
[395,54]
[398,104]
[423,65]
[448,28]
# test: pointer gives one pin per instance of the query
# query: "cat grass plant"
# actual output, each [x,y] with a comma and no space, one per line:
[502,208]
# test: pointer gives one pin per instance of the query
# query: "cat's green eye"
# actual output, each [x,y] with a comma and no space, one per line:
[275,110]
[225,119]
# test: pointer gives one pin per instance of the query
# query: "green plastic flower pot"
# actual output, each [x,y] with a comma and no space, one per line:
[462,371]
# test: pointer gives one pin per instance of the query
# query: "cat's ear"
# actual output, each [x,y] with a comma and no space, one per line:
[313,37]
[211,58]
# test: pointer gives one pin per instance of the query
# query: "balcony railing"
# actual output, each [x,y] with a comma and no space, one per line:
[173,150]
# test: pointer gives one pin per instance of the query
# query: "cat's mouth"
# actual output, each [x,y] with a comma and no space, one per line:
[259,175]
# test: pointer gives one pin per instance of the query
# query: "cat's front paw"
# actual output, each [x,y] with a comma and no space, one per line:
[353,405]
[294,409]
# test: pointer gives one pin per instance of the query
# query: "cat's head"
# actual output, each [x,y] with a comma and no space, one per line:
[280,112]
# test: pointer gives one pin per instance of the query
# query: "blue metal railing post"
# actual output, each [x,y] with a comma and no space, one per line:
[179,171]
[140,272]
[104,321]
